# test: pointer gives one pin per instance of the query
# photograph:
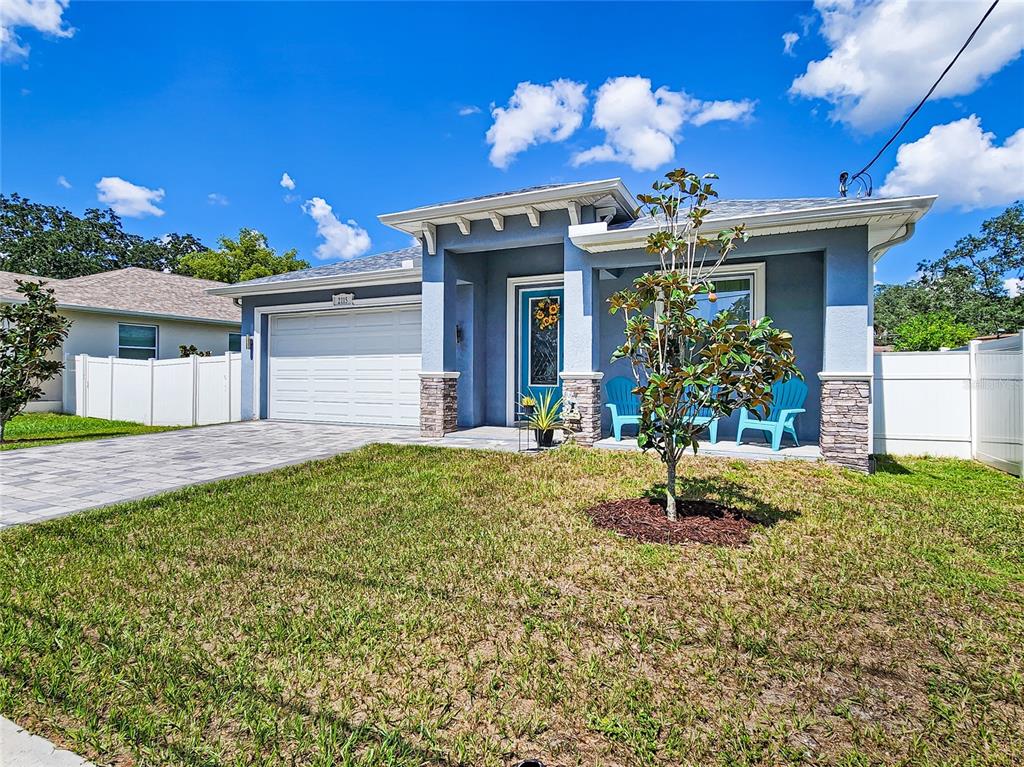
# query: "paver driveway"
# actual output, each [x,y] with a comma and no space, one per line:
[42,482]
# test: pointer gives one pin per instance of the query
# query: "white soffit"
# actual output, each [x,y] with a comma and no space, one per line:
[604,193]
[885,219]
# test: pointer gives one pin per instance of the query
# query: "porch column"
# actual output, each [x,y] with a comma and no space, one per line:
[439,377]
[846,377]
[581,377]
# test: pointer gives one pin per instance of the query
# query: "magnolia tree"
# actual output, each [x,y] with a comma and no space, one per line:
[689,368]
[30,330]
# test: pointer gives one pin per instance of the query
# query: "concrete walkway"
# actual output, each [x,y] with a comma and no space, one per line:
[20,748]
[40,483]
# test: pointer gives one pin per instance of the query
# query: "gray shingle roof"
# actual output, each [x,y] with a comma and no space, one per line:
[723,209]
[497,195]
[390,260]
[393,259]
[134,290]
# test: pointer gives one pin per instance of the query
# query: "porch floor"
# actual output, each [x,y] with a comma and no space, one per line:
[751,451]
[508,438]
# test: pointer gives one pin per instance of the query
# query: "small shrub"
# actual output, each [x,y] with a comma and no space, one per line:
[931,331]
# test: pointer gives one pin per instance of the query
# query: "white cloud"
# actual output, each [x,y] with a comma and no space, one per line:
[128,199]
[216,198]
[885,54]
[1014,286]
[414,242]
[962,164]
[535,114]
[61,181]
[46,16]
[470,110]
[731,111]
[642,126]
[789,39]
[341,240]
[286,181]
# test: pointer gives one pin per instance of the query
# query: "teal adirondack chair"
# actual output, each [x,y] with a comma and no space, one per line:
[787,403]
[706,418]
[625,407]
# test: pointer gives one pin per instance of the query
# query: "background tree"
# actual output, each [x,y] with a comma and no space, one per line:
[29,332]
[990,257]
[246,258]
[51,241]
[682,362]
[931,331]
[967,282]
[165,253]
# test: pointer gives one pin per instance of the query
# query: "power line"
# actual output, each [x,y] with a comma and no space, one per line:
[863,171]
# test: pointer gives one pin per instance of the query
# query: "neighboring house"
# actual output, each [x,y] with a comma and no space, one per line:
[441,335]
[135,314]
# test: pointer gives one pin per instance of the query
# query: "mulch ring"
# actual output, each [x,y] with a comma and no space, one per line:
[699,522]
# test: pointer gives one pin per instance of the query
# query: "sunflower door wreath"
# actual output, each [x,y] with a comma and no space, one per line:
[547,313]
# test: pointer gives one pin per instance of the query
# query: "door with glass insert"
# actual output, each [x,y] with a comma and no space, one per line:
[539,354]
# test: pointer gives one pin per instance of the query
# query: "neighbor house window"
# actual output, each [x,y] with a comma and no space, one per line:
[234,342]
[136,342]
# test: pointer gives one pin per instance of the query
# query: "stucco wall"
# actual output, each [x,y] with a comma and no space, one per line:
[521,262]
[794,299]
[250,409]
[96,334]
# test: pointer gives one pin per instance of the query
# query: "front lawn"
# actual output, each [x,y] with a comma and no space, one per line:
[415,606]
[36,429]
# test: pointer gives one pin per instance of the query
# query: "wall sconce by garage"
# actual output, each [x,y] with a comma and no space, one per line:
[458,333]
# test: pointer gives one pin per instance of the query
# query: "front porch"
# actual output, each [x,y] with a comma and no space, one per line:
[481,339]
[509,438]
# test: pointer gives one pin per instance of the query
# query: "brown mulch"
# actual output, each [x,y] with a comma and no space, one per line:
[699,522]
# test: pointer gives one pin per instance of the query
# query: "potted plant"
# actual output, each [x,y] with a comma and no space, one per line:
[528,404]
[546,418]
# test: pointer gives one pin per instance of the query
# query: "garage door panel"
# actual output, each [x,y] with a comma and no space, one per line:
[346,366]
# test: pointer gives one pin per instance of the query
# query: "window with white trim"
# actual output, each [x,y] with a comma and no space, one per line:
[739,289]
[734,295]
[136,342]
[234,342]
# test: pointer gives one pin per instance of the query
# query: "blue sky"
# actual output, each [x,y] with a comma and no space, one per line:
[360,105]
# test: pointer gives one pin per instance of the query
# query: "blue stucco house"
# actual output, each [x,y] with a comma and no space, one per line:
[441,334]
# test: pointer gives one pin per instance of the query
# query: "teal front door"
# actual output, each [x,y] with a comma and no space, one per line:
[540,341]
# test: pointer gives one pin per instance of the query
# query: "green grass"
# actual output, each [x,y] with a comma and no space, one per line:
[422,606]
[36,429]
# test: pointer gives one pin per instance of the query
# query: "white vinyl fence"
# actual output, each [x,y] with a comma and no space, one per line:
[178,392]
[965,403]
[999,402]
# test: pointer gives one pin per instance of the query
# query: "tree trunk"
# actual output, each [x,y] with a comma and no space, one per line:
[670,488]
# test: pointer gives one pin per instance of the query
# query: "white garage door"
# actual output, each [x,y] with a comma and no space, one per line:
[346,366]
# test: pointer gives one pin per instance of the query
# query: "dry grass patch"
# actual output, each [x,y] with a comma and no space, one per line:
[409,606]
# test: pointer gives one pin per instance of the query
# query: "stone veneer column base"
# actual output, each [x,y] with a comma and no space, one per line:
[585,390]
[439,403]
[845,420]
